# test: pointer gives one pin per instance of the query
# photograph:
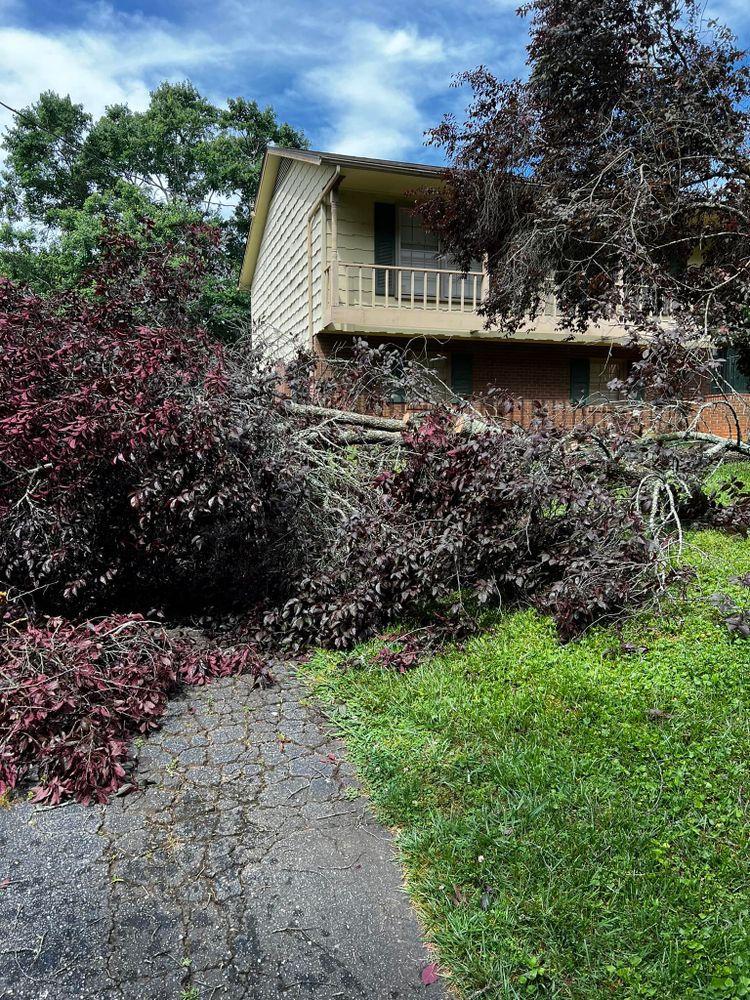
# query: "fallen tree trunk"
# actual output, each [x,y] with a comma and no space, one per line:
[386,430]
[347,417]
[720,443]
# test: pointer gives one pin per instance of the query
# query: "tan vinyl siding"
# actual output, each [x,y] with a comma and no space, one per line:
[356,244]
[279,294]
[355,227]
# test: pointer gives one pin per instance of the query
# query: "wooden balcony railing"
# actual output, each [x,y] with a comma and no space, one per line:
[641,297]
[377,286]
[373,286]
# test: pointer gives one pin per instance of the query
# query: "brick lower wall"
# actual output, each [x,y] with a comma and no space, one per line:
[534,371]
[531,372]
[733,420]
[712,415]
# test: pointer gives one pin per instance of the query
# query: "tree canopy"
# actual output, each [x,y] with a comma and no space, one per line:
[68,176]
[618,164]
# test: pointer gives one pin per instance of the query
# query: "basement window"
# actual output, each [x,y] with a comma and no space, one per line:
[590,378]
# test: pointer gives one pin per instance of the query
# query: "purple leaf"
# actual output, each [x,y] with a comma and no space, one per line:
[429,974]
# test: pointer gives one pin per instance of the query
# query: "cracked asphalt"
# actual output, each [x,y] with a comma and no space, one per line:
[248,867]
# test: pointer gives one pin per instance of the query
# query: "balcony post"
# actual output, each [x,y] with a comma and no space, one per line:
[336,278]
[484,290]
[334,224]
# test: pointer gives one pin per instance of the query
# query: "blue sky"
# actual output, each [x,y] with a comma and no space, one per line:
[363,78]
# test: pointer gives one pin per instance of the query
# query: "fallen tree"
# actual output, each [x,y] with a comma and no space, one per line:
[151,467]
[151,471]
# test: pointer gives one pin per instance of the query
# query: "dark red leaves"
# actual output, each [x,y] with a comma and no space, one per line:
[495,518]
[71,697]
[120,443]
[399,653]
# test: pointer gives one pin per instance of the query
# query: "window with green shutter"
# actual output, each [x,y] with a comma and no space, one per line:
[462,374]
[580,379]
[384,225]
[729,375]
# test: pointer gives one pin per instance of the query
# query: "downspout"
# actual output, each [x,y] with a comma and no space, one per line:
[332,182]
[335,225]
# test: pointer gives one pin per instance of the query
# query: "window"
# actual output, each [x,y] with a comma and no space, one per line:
[434,385]
[604,371]
[590,378]
[462,374]
[440,367]
[400,240]
[729,376]
[418,249]
[447,376]
[421,250]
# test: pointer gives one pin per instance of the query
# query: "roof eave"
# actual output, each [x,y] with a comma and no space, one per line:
[258,218]
[269,169]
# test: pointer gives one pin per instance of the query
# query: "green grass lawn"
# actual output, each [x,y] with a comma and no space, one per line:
[560,837]
[738,471]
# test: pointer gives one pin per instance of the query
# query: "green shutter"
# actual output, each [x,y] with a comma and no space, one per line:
[462,374]
[730,374]
[580,379]
[384,225]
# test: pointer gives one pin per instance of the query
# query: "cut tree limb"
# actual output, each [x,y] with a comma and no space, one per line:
[347,417]
[720,443]
[385,430]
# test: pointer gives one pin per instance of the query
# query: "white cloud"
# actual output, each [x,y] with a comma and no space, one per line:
[372,92]
[369,84]
[109,59]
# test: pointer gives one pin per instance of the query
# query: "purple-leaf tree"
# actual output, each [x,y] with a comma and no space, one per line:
[614,176]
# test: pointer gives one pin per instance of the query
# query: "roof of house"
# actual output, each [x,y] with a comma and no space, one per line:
[360,162]
[358,169]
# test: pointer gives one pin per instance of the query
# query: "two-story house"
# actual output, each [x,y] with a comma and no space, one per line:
[335,251]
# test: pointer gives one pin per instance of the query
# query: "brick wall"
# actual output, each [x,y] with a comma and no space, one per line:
[532,372]
[712,415]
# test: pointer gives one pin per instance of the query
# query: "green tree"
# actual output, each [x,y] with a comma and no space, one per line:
[67,177]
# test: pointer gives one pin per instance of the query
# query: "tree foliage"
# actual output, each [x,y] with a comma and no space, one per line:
[130,471]
[148,469]
[183,160]
[74,695]
[494,517]
[620,163]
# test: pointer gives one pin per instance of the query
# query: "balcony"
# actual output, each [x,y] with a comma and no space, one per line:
[402,299]
[369,298]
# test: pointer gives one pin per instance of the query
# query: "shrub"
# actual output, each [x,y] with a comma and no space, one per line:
[491,517]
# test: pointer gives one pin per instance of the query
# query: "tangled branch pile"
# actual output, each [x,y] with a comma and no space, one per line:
[140,467]
[579,525]
[148,468]
[71,697]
